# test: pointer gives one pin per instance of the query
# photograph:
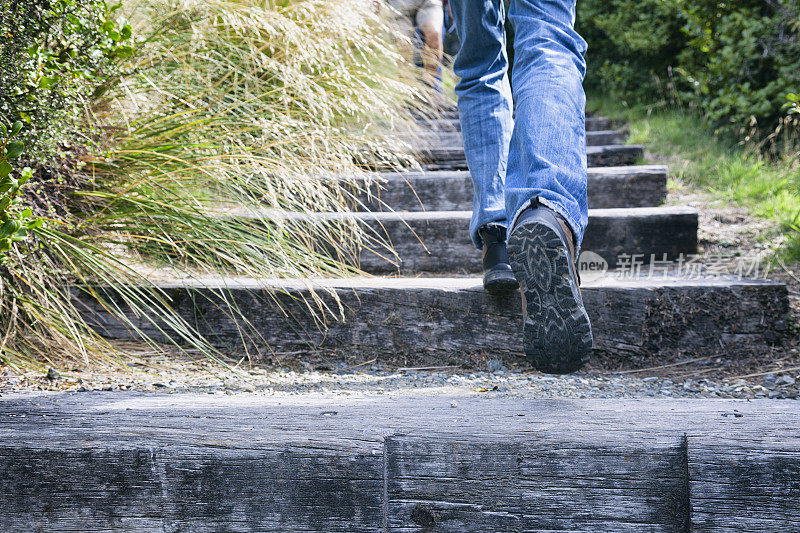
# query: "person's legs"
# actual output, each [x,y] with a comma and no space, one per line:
[430,19]
[547,157]
[402,13]
[484,105]
[546,182]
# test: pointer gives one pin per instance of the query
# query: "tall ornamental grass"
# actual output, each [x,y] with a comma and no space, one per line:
[231,104]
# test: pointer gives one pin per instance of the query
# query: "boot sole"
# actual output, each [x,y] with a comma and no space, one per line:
[557,332]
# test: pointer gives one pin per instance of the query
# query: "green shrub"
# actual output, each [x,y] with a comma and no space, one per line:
[733,61]
[56,56]
[15,221]
[632,46]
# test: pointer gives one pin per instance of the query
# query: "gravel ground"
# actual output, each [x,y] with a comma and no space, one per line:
[494,380]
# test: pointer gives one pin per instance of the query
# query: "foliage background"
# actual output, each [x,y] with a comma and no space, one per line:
[732,62]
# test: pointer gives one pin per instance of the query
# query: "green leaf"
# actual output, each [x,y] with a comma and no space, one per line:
[124,52]
[7,229]
[4,203]
[108,26]
[5,169]
[4,129]
[6,183]
[126,31]
[46,82]
[35,223]
[5,245]
[19,235]
[16,128]
[15,149]
[25,175]
[26,213]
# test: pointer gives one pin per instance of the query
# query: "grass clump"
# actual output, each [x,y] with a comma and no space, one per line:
[765,181]
[230,104]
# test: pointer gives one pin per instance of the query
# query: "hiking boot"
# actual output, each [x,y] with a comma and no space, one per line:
[557,333]
[497,274]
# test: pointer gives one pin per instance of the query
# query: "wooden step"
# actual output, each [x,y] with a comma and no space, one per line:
[453,138]
[452,157]
[456,322]
[438,241]
[191,462]
[453,124]
[608,187]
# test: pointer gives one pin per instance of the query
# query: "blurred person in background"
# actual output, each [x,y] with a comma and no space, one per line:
[427,18]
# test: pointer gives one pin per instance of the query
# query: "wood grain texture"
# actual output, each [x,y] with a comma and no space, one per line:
[735,483]
[454,321]
[197,463]
[608,187]
[439,241]
[534,484]
[452,157]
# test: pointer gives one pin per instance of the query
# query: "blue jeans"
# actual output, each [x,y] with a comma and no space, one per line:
[534,144]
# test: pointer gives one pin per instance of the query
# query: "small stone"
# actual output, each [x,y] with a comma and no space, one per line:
[454,404]
[494,365]
[82,389]
[784,380]
[228,392]
[159,385]
[248,388]
[52,374]
[651,379]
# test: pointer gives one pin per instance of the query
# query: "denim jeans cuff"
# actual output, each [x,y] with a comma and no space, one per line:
[476,238]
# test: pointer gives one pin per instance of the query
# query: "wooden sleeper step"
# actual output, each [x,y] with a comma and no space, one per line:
[454,321]
[608,187]
[452,157]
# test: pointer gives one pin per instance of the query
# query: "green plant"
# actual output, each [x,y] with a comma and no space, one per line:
[731,61]
[215,143]
[57,55]
[15,221]
[792,104]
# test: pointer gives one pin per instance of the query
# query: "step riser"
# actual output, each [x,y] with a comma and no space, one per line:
[452,191]
[452,158]
[450,250]
[296,464]
[453,138]
[453,124]
[457,326]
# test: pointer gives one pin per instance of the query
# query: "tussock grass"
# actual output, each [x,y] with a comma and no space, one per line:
[232,103]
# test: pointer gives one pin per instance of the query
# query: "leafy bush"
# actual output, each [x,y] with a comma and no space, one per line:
[792,104]
[734,61]
[15,221]
[56,56]
[632,46]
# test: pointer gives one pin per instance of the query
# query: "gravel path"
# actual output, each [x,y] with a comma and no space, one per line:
[495,380]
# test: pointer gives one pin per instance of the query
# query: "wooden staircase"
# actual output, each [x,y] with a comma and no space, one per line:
[427,302]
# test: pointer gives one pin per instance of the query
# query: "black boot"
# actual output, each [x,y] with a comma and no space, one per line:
[557,332]
[497,274]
